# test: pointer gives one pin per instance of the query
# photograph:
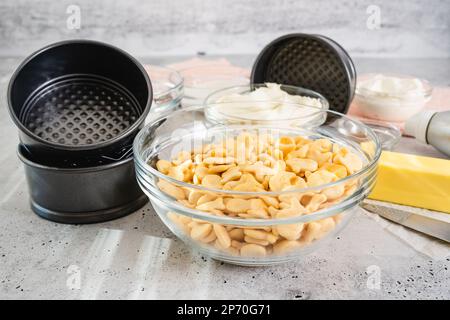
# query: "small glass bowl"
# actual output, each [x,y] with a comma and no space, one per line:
[200,81]
[188,128]
[379,105]
[388,133]
[277,112]
[167,86]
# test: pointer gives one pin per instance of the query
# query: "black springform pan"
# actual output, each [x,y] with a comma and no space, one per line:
[310,61]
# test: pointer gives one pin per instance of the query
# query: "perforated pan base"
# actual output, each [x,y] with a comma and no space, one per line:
[310,61]
[80,110]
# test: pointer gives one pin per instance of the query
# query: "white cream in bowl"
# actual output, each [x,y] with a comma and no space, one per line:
[265,103]
[391,98]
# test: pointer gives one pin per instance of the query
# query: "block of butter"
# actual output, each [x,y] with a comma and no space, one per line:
[412,180]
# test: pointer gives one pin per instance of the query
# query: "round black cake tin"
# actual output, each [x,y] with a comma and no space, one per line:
[65,193]
[78,105]
[310,61]
[79,96]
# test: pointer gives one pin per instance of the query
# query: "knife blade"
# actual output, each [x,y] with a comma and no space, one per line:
[429,222]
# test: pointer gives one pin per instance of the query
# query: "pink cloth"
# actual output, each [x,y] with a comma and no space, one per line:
[440,101]
[214,65]
[206,69]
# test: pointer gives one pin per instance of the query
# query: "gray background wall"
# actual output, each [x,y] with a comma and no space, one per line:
[409,28]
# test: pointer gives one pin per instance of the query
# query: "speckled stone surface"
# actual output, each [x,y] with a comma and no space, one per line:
[137,256]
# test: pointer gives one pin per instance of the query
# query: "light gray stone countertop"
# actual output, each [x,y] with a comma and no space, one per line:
[138,257]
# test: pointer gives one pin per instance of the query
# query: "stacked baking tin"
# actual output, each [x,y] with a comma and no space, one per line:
[78,106]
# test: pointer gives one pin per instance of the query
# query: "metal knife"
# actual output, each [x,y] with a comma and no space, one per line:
[432,223]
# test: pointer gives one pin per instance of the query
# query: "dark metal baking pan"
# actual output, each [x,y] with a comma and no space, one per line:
[71,192]
[79,96]
[310,61]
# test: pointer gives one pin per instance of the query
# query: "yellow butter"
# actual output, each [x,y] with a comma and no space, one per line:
[414,181]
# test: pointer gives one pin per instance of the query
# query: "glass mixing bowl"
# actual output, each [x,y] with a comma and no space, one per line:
[231,231]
